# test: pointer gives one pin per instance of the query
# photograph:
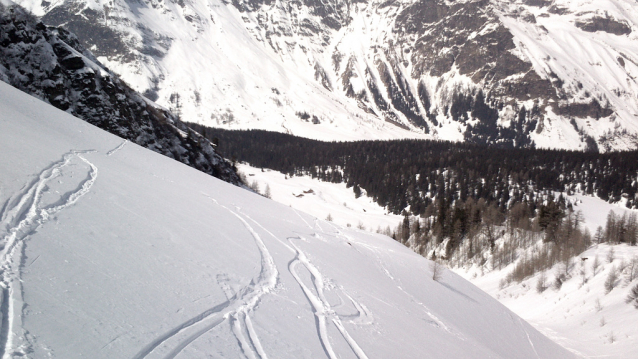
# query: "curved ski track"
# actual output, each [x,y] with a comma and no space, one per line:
[434,320]
[21,216]
[236,309]
[112,152]
[320,304]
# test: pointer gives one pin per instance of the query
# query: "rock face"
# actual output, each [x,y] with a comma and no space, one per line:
[606,24]
[51,64]
[522,73]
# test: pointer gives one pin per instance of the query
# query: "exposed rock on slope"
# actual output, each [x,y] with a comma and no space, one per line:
[51,64]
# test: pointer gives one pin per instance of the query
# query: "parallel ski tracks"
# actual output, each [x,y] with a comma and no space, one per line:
[320,305]
[21,216]
[43,198]
[237,310]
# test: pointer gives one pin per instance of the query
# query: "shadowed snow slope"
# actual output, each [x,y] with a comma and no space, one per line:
[113,251]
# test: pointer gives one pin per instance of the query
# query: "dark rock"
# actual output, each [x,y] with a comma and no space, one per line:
[621,61]
[87,90]
[72,63]
[538,3]
[606,24]
[87,24]
[558,10]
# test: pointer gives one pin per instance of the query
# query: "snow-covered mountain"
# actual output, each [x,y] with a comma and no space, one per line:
[557,74]
[50,64]
[110,250]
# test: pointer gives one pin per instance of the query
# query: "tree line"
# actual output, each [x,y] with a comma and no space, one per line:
[410,175]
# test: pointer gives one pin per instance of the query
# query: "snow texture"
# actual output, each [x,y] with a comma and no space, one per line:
[570,316]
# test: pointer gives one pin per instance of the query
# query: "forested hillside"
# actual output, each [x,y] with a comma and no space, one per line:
[411,175]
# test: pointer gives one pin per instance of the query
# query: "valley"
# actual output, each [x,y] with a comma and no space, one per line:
[341,179]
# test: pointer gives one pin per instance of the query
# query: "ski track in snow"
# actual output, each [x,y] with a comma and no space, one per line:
[520,321]
[236,310]
[434,320]
[111,152]
[320,304]
[21,216]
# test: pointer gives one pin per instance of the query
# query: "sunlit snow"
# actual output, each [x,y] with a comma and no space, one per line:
[113,251]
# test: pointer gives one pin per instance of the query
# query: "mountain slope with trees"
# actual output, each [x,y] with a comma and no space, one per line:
[555,74]
[413,175]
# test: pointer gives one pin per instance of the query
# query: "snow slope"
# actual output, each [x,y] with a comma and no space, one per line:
[113,251]
[557,74]
[321,199]
[208,62]
[595,65]
[569,315]
[580,315]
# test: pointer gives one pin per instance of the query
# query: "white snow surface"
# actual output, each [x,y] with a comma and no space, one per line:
[568,316]
[321,199]
[580,315]
[113,251]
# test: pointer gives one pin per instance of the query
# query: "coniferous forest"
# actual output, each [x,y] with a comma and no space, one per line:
[412,174]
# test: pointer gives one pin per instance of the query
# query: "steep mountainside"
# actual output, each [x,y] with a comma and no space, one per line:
[112,251]
[557,74]
[50,64]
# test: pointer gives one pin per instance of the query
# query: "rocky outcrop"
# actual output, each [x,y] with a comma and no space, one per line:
[606,24]
[51,64]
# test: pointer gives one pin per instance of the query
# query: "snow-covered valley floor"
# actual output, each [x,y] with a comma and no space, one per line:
[321,199]
[112,251]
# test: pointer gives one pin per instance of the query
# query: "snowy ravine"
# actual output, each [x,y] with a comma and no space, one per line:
[580,315]
[113,251]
